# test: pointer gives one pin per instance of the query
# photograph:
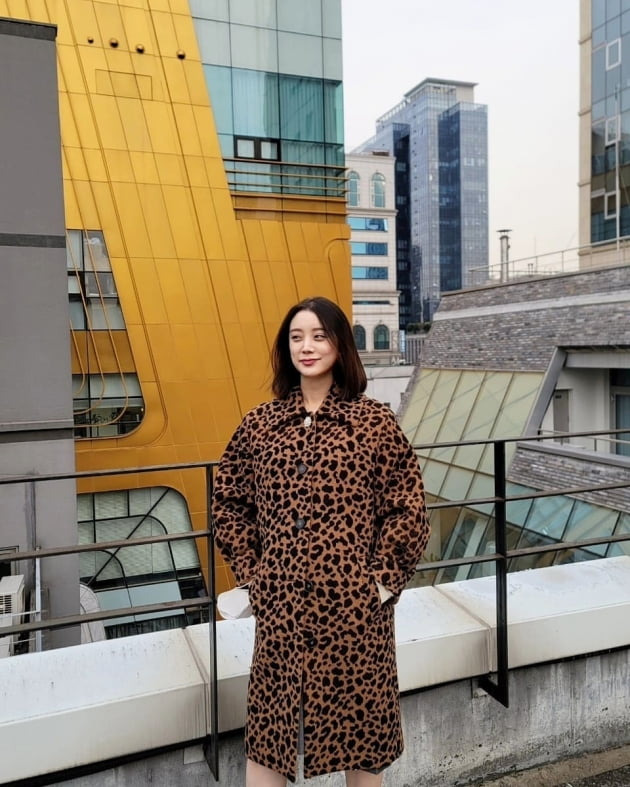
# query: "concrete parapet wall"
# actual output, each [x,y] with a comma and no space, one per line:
[78,707]
[454,734]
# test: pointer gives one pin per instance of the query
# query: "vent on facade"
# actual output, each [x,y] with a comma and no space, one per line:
[11,599]
[11,609]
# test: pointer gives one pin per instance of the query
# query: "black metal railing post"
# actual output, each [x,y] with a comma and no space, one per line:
[211,748]
[500,689]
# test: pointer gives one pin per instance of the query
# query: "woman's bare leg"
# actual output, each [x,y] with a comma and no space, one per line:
[363,779]
[259,776]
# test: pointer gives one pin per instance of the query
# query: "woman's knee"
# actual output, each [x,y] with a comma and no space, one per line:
[363,779]
[260,776]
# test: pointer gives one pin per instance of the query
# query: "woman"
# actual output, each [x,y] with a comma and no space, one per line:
[319,509]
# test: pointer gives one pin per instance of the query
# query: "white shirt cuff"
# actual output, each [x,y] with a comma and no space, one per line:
[383,592]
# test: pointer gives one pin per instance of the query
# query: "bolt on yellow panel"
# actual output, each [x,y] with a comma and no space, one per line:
[137,22]
[110,25]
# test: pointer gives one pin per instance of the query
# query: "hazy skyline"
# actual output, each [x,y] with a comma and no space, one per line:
[524,58]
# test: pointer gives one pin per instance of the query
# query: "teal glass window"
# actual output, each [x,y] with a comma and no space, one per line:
[333,112]
[353,189]
[378,190]
[361,272]
[255,103]
[219,81]
[381,337]
[367,223]
[360,248]
[359,336]
[301,108]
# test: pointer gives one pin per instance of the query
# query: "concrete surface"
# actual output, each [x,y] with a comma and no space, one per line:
[609,768]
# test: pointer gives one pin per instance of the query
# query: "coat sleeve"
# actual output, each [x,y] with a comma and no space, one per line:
[401,516]
[234,508]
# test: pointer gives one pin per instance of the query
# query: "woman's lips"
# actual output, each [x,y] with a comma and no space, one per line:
[308,361]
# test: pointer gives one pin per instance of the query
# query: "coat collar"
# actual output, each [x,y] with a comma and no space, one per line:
[292,412]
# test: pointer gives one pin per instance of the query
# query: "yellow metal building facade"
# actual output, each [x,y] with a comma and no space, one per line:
[181,265]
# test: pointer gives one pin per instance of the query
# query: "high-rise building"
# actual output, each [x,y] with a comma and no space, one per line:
[204,191]
[604,129]
[439,137]
[372,220]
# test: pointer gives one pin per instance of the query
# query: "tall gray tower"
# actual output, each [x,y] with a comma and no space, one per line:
[439,137]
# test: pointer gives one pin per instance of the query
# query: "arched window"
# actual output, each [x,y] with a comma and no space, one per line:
[359,336]
[353,189]
[378,190]
[381,337]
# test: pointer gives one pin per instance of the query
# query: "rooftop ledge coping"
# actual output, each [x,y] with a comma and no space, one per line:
[143,692]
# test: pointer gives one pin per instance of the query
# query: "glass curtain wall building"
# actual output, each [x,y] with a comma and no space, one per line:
[273,71]
[610,120]
[442,193]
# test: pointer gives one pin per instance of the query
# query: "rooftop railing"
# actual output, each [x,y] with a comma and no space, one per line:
[496,687]
[275,177]
[552,263]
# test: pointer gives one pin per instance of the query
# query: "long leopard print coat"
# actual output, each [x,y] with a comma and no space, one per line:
[311,512]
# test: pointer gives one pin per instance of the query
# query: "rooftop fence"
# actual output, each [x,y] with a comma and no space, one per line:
[496,687]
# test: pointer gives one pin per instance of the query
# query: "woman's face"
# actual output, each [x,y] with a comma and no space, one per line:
[312,352]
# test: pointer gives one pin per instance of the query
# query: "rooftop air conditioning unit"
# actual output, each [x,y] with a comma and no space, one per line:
[11,609]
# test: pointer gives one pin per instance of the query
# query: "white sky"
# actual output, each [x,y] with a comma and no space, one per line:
[524,56]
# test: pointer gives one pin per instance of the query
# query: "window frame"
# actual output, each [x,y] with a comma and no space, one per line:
[258,143]
[609,46]
[357,327]
[354,178]
[611,132]
[380,179]
[608,197]
[381,328]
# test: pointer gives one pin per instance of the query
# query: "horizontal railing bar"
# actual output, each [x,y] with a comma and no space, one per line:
[278,163]
[109,614]
[520,439]
[73,620]
[81,474]
[469,502]
[559,546]
[458,561]
[99,546]
[277,173]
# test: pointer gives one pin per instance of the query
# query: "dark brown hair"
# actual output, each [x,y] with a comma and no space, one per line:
[348,372]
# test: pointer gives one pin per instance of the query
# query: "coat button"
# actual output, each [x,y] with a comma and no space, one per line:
[311,642]
[302,468]
[300,523]
[308,587]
